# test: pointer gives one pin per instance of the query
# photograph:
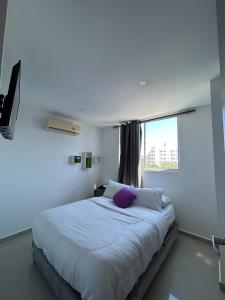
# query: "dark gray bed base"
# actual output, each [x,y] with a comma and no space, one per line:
[64,291]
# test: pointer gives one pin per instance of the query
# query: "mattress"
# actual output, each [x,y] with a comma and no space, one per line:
[114,243]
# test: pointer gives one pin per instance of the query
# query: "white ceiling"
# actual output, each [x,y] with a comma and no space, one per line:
[83,59]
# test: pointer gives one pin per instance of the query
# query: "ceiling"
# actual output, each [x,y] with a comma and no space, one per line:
[83,59]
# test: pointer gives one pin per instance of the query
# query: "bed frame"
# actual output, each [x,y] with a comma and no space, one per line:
[64,291]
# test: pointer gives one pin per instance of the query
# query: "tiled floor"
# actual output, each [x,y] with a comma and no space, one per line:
[189,273]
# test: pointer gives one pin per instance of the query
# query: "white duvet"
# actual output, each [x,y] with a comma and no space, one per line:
[99,248]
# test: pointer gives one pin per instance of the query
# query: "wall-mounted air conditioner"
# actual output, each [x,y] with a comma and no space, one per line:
[62,125]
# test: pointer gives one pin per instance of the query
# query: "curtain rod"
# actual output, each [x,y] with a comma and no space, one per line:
[187,111]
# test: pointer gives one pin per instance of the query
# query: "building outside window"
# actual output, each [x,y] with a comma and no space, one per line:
[160,145]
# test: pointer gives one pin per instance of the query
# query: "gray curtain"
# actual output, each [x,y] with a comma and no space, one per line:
[130,151]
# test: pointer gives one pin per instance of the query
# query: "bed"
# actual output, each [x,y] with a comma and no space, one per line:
[114,254]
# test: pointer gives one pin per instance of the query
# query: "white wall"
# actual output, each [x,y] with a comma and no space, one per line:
[192,188]
[110,154]
[218,118]
[219,163]
[3,12]
[35,172]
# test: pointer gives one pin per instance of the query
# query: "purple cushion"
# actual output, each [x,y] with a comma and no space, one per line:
[124,197]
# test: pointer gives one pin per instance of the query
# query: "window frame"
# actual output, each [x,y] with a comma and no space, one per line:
[178,148]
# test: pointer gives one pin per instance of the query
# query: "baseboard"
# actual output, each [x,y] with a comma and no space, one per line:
[195,236]
[14,235]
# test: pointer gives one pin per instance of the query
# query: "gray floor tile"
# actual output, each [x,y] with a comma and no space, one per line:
[189,273]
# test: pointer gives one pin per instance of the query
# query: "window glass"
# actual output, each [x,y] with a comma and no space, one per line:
[160,145]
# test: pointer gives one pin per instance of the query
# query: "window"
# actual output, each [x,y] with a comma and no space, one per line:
[160,145]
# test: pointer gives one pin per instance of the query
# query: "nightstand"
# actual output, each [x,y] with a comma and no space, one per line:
[99,191]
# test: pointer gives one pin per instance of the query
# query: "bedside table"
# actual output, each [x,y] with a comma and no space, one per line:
[99,191]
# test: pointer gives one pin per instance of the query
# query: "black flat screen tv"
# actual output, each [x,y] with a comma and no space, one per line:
[9,104]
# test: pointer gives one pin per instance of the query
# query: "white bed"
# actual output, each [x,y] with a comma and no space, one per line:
[99,248]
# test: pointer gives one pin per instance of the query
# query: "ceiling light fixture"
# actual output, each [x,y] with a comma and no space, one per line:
[142,83]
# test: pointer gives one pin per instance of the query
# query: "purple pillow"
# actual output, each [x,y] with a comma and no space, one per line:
[124,198]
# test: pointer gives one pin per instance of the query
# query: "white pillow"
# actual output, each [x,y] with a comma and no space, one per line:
[149,197]
[165,201]
[112,188]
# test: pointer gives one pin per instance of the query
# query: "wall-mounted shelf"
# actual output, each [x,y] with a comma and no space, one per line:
[86,160]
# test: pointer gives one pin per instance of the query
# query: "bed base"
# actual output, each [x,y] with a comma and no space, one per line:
[64,291]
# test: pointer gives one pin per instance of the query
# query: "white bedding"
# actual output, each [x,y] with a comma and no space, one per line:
[99,248]
[169,213]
